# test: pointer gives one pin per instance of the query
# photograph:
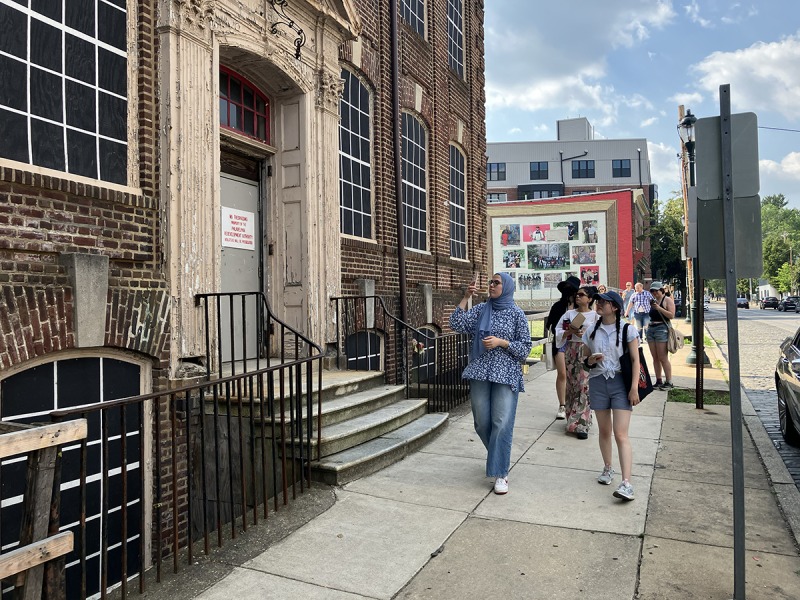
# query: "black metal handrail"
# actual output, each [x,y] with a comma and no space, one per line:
[429,365]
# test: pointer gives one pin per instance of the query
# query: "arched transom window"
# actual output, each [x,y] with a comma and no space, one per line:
[242,107]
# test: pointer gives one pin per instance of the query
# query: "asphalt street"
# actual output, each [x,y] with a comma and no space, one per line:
[760,335]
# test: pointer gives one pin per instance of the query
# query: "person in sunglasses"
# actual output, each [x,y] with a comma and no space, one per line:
[501,341]
[569,335]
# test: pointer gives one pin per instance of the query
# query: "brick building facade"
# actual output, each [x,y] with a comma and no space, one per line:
[133,131]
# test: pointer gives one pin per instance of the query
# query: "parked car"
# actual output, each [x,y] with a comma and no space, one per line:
[742,303]
[769,302]
[787,383]
[789,303]
[706,303]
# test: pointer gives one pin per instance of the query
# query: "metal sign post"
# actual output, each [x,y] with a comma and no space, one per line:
[733,342]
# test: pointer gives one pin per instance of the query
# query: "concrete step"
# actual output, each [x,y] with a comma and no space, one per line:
[350,433]
[353,405]
[378,453]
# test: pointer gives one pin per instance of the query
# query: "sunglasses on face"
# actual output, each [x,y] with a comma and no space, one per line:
[581,295]
[495,282]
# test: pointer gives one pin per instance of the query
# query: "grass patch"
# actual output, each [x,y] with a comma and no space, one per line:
[537,330]
[709,397]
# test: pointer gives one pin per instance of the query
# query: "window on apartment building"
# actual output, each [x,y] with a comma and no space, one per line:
[582,169]
[539,170]
[455,35]
[539,194]
[64,102]
[621,167]
[501,197]
[458,204]
[242,107]
[413,13]
[355,158]
[415,195]
[496,171]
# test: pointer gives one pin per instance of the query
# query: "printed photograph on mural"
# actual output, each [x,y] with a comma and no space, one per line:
[584,255]
[511,274]
[548,256]
[529,281]
[509,235]
[551,280]
[535,233]
[590,275]
[570,227]
[589,231]
[512,259]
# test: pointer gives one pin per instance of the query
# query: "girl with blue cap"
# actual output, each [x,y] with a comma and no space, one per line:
[500,344]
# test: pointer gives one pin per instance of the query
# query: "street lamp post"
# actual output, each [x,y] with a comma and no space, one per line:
[697,355]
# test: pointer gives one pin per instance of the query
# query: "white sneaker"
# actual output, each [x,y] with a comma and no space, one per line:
[501,486]
[562,413]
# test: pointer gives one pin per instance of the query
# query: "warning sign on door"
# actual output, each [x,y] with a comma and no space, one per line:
[237,229]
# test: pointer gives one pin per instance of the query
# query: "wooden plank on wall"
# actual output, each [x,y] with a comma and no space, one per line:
[36,438]
[35,554]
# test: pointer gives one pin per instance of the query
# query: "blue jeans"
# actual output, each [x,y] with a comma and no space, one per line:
[494,407]
[642,321]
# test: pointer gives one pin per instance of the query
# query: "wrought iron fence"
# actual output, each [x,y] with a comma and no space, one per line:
[162,476]
[369,337]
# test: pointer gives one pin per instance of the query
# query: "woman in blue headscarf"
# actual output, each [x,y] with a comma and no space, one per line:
[500,344]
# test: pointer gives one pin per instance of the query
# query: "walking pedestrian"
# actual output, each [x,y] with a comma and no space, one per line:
[569,335]
[611,402]
[626,299]
[501,341]
[639,308]
[662,310]
[568,287]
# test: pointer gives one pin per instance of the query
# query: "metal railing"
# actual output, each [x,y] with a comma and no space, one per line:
[369,337]
[162,474]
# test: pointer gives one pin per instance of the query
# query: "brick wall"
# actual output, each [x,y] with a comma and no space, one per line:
[446,99]
[42,217]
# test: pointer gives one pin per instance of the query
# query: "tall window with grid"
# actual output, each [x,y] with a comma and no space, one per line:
[64,98]
[415,195]
[455,35]
[355,162]
[458,205]
[496,171]
[413,13]
[539,170]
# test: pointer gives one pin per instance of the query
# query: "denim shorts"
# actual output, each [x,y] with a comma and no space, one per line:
[608,393]
[657,332]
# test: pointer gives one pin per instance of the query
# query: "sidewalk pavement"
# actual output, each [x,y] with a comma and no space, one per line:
[431,527]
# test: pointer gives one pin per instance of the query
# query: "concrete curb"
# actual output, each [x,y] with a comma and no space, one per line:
[783,486]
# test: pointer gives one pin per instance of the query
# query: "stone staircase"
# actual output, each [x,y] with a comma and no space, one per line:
[366,426]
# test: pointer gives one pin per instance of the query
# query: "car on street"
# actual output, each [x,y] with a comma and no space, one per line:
[706,303]
[742,303]
[787,383]
[769,302]
[789,303]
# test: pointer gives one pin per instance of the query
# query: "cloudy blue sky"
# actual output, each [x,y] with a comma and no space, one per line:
[626,65]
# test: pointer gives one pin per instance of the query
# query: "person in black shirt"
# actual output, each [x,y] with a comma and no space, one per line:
[568,288]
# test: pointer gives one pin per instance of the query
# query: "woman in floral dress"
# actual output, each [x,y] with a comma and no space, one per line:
[578,411]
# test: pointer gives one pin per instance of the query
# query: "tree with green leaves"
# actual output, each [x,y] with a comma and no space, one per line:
[666,240]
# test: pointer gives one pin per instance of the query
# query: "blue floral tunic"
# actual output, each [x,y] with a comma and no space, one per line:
[498,365]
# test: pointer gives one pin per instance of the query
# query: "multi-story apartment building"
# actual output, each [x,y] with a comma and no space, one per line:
[152,151]
[576,163]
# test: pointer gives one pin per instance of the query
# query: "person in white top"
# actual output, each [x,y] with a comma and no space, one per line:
[569,333]
[611,402]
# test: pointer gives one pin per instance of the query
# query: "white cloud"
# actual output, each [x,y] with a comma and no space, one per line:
[788,168]
[514,131]
[693,12]
[664,168]
[688,99]
[762,77]
[648,122]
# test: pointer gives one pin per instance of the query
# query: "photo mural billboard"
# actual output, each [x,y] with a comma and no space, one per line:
[541,251]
